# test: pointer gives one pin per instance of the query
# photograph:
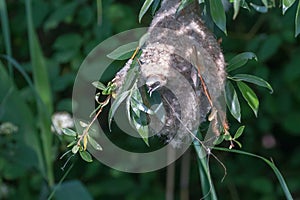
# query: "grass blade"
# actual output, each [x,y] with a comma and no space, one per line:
[99,11]
[268,162]
[42,86]
[208,189]
[297,21]
[6,33]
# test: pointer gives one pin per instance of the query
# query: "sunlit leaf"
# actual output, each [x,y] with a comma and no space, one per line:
[249,96]
[72,143]
[85,142]
[155,6]
[140,106]
[239,132]
[236,7]
[75,149]
[69,132]
[144,9]
[240,60]
[286,4]
[99,85]
[265,2]
[119,99]
[83,124]
[123,52]
[139,118]
[218,14]
[253,79]
[261,9]
[244,4]
[143,130]
[86,156]
[94,144]
[232,101]
[297,20]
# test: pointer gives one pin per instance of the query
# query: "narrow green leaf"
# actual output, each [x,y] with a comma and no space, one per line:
[265,2]
[239,132]
[261,9]
[86,156]
[83,124]
[119,99]
[123,52]
[253,79]
[69,132]
[144,9]
[99,11]
[143,130]
[244,4]
[238,143]
[42,85]
[206,180]
[155,6]
[297,20]
[219,139]
[286,4]
[240,60]
[218,14]
[139,118]
[236,7]
[6,32]
[94,144]
[249,96]
[40,72]
[128,109]
[130,78]
[20,68]
[75,149]
[232,101]
[268,162]
[72,143]
[99,85]
[137,105]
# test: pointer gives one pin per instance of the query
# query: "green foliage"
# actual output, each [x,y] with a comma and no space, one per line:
[218,14]
[66,31]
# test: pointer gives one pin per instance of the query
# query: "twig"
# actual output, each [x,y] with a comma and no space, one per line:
[86,130]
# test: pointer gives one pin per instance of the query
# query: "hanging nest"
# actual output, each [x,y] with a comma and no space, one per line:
[183,62]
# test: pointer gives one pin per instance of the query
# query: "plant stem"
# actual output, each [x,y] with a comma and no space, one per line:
[86,130]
